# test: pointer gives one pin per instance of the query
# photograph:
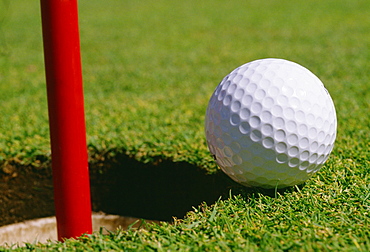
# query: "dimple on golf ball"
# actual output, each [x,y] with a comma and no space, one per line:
[270,123]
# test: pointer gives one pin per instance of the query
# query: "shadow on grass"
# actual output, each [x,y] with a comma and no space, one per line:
[127,187]
[159,192]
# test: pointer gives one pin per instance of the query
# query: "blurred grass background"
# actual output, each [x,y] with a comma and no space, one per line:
[150,68]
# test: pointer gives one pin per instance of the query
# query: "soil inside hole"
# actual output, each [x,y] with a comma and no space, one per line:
[119,185]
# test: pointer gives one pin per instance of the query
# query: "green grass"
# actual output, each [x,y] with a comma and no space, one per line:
[241,224]
[149,70]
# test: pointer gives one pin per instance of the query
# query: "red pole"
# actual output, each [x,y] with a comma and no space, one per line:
[66,117]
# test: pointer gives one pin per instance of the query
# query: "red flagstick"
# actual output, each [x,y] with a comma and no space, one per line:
[66,117]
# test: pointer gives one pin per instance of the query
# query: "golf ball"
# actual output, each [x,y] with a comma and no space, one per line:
[270,123]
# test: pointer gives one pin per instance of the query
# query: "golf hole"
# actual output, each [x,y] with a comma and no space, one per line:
[120,186]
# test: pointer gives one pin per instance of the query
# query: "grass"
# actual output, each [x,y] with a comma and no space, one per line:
[149,70]
[239,224]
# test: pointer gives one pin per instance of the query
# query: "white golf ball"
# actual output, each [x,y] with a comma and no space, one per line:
[270,123]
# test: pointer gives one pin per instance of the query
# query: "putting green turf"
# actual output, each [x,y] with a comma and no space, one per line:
[149,70]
